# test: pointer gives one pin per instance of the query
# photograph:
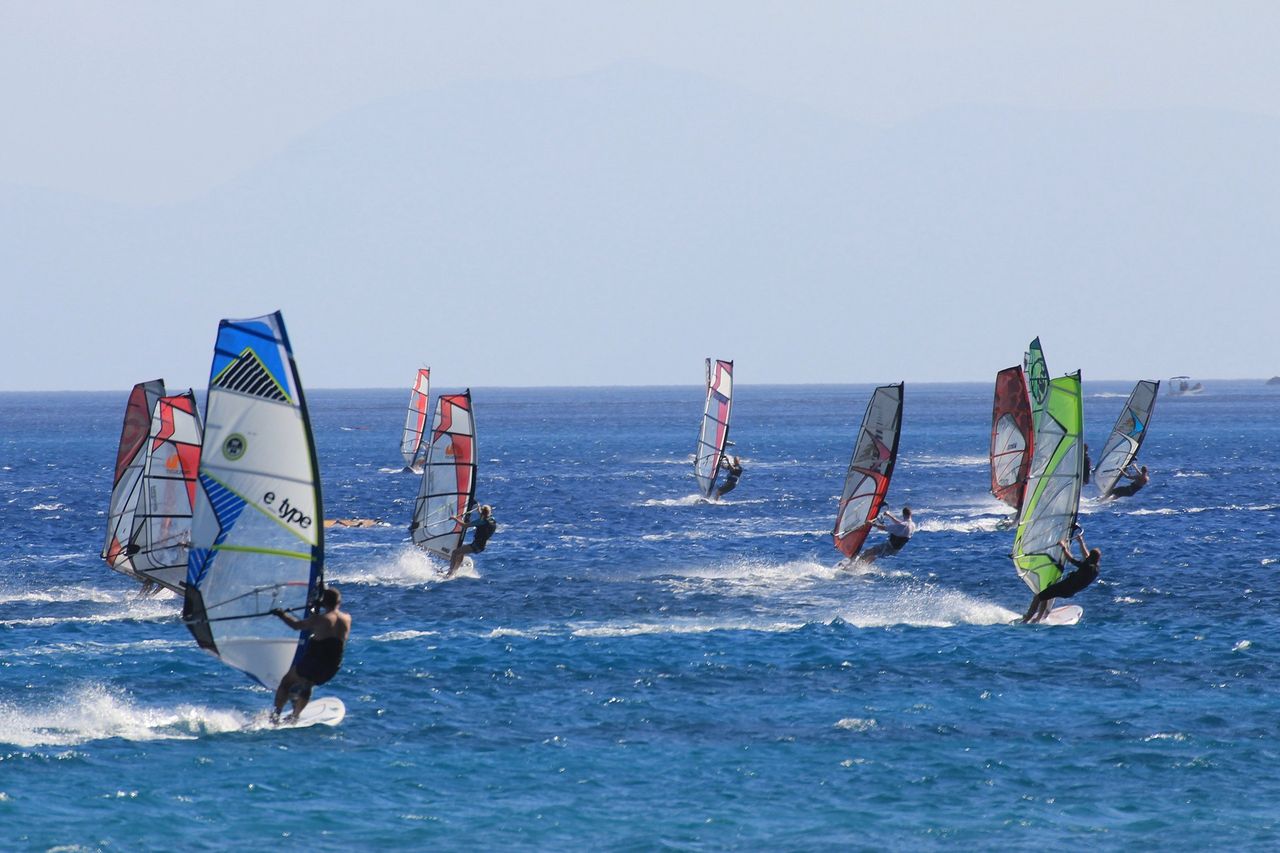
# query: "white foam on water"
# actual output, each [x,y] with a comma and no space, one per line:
[396,636]
[683,626]
[135,609]
[60,594]
[688,500]
[499,633]
[855,724]
[53,507]
[409,566]
[95,712]
[960,460]
[1242,645]
[924,606]
[81,649]
[988,524]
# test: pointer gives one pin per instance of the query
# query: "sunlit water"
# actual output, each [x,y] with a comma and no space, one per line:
[627,666]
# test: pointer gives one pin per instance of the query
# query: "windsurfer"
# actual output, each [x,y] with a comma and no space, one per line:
[733,467]
[484,528]
[1138,479]
[1086,573]
[320,662]
[1088,466]
[899,530]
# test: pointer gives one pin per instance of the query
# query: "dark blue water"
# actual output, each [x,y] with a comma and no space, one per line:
[627,667]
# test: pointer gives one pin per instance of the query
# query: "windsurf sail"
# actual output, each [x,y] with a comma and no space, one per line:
[867,482]
[415,423]
[126,486]
[257,537]
[1126,436]
[1012,436]
[1037,380]
[1052,496]
[162,520]
[715,425]
[448,487]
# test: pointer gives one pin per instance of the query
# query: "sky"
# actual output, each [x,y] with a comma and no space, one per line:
[825,192]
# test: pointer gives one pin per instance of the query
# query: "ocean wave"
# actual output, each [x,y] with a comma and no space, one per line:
[81,649]
[53,507]
[95,712]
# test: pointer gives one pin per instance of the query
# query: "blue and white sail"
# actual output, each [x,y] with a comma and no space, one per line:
[257,535]
[1126,436]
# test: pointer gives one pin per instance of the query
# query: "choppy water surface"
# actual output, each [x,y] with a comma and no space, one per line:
[630,667]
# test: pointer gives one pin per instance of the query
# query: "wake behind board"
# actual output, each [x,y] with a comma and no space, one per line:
[325,711]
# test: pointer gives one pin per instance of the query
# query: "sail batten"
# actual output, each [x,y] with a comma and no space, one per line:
[257,540]
[447,491]
[866,483]
[713,434]
[1127,435]
[1052,496]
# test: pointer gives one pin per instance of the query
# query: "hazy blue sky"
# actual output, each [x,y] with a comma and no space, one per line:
[601,193]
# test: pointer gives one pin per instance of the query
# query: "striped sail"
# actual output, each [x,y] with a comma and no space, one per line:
[1052,495]
[448,478]
[714,432]
[1126,436]
[162,522]
[412,447]
[1012,437]
[257,537]
[126,484]
[866,484]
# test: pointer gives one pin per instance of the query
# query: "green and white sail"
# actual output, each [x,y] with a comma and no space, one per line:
[1052,497]
[257,534]
[1126,436]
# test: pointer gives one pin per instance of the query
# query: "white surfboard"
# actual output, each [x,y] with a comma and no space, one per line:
[325,711]
[1067,614]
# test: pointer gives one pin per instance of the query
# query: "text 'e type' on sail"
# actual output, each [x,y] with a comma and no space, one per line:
[257,535]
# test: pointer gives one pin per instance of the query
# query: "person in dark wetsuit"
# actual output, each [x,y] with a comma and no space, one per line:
[485,528]
[323,657]
[733,465]
[1086,573]
[1137,479]
[1088,466]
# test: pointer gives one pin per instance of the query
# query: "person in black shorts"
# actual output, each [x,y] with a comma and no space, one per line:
[733,465]
[323,656]
[1086,573]
[1137,479]
[484,528]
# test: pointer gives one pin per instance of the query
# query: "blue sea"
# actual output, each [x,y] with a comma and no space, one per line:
[629,668]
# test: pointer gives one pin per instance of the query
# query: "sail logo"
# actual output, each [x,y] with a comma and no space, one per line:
[234,447]
[287,512]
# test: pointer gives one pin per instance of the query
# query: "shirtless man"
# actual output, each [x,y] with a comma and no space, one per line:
[320,662]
